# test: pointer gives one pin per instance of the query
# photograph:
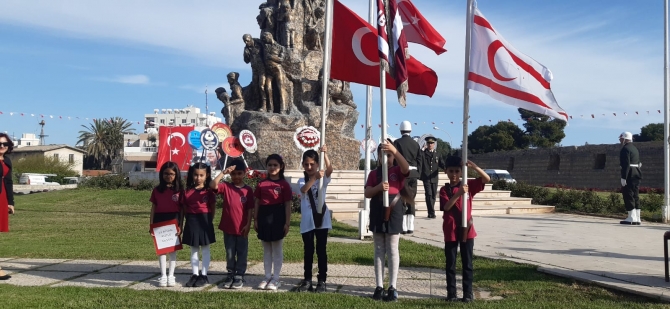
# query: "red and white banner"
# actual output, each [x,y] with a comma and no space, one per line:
[418,30]
[173,146]
[390,21]
[507,75]
[355,44]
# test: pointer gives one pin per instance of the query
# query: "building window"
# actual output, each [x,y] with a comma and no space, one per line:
[554,162]
[28,144]
[150,165]
[183,121]
[601,159]
[55,156]
[162,121]
[510,164]
[192,120]
[71,158]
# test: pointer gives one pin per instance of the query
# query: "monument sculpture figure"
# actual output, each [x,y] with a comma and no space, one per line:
[223,96]
[236,102]
[274,55]
[285,25]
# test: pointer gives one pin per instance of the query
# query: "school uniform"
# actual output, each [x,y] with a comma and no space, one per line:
[452,229]
[167,205]
[237,201]
[199,227]
[271,218]
[309,230]
[377,209]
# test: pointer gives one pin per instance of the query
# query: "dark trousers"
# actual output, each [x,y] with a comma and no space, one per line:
[631,194]
[322,257]
[450,250]
[237,248]
[410,185]
[431,194]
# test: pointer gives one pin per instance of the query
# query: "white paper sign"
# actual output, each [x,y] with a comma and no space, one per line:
[166,236]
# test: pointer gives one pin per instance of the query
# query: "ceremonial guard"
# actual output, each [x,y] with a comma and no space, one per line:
[429,166]
[411,151]
[631,175]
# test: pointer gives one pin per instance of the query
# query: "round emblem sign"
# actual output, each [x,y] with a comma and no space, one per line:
[209,139]
[307,138]
[222,130]
[232,147]
[194,139]
[248,141]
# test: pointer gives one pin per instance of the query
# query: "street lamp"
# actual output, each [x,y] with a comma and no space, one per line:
[451,144]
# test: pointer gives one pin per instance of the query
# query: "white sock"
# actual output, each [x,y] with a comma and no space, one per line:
[194,260]
[277,258]
[380,252]
[637,215]
[404,223]
[173,263]
[394,257]
[206,257]
[410,222]
[161,264]
[267,259]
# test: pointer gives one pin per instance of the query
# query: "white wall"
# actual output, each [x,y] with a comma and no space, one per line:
[64,156]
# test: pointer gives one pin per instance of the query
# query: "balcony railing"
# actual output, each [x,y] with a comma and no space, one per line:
[139,149]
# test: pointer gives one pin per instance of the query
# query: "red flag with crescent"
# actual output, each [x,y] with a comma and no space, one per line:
[173,146]
[355,43]
[417,28]
[507,75]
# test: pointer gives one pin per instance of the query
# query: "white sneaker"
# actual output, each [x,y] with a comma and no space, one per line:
[162,281]
[273,285]
[263,285]
[171,281]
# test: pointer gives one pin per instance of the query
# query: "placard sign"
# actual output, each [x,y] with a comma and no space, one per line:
[248,141]
[209,139]
[165,237]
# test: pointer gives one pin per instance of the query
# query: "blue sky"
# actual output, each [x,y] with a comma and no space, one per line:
[124,58]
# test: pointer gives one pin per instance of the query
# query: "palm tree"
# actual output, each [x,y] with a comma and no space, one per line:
[117,127]
[93,140]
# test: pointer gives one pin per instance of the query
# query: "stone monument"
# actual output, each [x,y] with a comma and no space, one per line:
[285,89]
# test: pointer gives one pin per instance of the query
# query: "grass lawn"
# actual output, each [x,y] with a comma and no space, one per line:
[100,224]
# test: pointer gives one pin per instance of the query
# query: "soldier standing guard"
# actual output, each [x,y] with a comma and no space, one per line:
[411,151]
[429,167]
[631,175]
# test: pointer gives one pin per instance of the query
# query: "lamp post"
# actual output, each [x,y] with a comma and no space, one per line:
[451,143]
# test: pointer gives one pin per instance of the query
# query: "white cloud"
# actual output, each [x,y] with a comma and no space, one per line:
[138,79]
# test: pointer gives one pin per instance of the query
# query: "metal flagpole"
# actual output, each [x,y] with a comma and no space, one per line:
[206,107]
[466,110]
[666,116]
[382,88]
[368,115]
[327,50]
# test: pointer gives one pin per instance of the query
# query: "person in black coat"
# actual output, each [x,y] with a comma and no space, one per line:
[411,151]
[6,188]
[429,168]
[629,160]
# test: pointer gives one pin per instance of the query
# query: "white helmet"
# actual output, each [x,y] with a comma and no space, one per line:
[405,126]
[626,136]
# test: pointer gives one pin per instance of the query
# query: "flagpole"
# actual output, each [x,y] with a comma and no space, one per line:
[368,114]
[466,110]
[382,88]
[666,125]
[327,49]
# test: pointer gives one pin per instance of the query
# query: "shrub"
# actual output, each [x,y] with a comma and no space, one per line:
[592,202]
[615,203]
[502,185]
[107,182]
[295,206]
[146,185]
[43,165]
[652,201]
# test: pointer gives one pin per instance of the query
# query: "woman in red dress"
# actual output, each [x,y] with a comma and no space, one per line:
[6,186]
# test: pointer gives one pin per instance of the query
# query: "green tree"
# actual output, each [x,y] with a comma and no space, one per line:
[443,148]
[541,130]
[361,164]
[499,137]
[103,139]
[649,133]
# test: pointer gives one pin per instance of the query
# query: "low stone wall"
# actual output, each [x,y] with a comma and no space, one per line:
[25,189]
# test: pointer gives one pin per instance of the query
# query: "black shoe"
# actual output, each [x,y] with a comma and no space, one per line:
[637,223]
[626,222]
[305,285]
[467,300]
[391,294]
[228,283]
[192,281]
[201,281]
[432,216]
[320,287]
[403,232]
[238,283]
[5,277]
[452,298]
[410,232]
[379,293]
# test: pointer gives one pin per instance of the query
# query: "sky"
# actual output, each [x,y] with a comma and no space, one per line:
[125,58]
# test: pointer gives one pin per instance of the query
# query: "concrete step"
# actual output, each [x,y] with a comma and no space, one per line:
[352,214]
[420,196]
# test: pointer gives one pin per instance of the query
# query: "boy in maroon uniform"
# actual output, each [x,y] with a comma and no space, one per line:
[238,204]
[451,203]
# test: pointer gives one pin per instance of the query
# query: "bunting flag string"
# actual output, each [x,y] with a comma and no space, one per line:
[59,117]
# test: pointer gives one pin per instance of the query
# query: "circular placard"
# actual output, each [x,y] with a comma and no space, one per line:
[371,148]
[209,139]
[307,137]
[222,130]
[194,139]
[232,147]
[388,136]
[248,141]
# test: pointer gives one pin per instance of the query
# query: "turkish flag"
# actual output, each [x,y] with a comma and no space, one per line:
[173,146]
[418,30]
[356,58]
[506,74]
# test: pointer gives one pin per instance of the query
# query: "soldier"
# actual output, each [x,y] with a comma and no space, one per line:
[410,150]
[429,168]
[629,159]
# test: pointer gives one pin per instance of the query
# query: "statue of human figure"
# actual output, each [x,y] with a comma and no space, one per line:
[253,53]
[236,102]
[223,96]
[316,11]
[266,19]
[274,55]
[285,28]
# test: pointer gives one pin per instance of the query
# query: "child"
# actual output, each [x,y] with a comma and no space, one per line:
[451,204]
[199,204]
[165,207]
[272,217]
[238,204]
[386,227]
[312,223]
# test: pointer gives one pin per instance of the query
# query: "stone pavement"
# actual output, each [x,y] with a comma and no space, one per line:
[143,275]
[591,249]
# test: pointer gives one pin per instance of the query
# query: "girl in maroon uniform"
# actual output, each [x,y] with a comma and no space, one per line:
[165,207]
[272,217]
[199,203]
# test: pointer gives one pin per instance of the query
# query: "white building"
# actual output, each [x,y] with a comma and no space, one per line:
[140,151]
[64,153]
[27,139]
